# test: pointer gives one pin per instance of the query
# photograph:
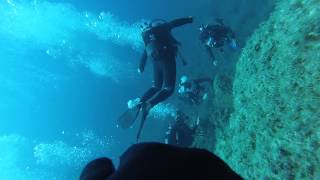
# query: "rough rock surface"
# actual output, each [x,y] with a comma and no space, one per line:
[274,132]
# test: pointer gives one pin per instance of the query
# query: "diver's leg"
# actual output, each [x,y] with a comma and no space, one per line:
[157,82]
[169,75]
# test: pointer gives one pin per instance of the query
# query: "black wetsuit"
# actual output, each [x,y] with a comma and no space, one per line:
[219,33]
[162,47]
[180,134]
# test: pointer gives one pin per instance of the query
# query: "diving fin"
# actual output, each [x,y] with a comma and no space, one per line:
[127,119]
[145,111]
[143,119]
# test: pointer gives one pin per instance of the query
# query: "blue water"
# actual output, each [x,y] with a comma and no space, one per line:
[67,70]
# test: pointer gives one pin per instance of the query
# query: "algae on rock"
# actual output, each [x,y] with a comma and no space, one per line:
[274,132]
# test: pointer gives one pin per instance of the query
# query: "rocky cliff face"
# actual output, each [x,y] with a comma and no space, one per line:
[274,132]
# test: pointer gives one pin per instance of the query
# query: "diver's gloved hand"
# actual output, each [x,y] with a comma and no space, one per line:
[191,19]
[198,121]
[214,63]
[140,70]
[233,44]
[205,96]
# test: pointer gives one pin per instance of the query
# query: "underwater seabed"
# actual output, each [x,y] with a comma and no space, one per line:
[273,130]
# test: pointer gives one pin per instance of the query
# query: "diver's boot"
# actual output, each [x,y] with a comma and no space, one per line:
[134,103]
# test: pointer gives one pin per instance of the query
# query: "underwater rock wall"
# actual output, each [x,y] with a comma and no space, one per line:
[274,130]
[243,16]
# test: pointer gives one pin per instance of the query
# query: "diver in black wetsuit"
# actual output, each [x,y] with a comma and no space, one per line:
[215,36]
[179,132]
[194,91]
[162,47]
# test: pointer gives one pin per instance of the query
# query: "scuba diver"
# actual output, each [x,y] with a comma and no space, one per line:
[215,36]
[179,132]
[193,91]
[162,48]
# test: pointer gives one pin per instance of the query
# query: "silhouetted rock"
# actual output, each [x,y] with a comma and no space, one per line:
[155,161]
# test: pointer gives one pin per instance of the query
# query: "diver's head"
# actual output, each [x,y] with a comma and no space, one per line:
[157,22]
[145,25]
[202,27]
[183,79]
[184,86]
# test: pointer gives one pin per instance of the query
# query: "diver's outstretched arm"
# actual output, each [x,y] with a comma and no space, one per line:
[179,22]
[143,61]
